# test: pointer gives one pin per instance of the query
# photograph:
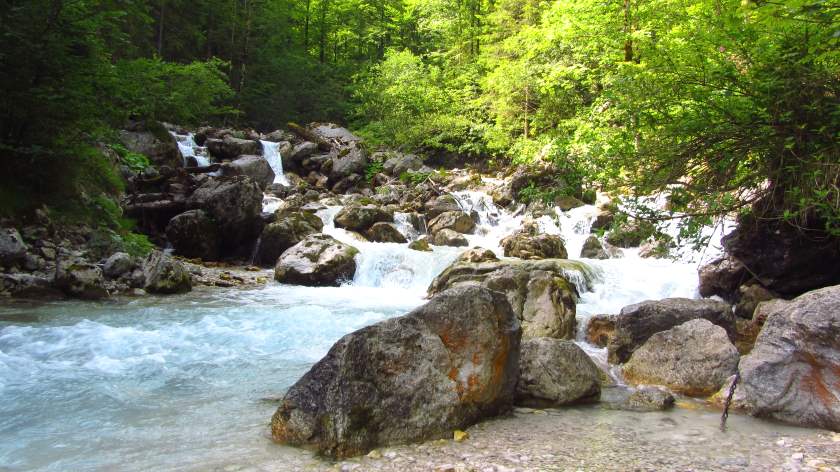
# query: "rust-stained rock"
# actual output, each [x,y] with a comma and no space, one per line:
[442,367]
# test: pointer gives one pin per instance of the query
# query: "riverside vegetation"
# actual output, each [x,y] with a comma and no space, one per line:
[575,209]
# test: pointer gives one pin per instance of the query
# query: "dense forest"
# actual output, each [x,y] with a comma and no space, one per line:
[724,102]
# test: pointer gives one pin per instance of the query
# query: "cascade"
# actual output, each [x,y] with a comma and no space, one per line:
[271,153]
[189,148]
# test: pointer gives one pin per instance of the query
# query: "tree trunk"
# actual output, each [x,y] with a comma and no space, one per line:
[160,28]
[306,28]
[322,50]
[628,30]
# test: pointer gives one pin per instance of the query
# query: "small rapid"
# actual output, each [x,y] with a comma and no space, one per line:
[271,153]
[190,149]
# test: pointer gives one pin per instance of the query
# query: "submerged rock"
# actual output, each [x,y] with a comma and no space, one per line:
[793,372]
[318,260]
[554,372]
[540,246]
[194,234]
[443,367]
[695,358]
[540,295]
[421,244]
[637,323]
[81,280]
[165,275]
[648,398]
[290,228]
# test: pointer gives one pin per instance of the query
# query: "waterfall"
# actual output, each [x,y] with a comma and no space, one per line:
[271,153]
[189,148]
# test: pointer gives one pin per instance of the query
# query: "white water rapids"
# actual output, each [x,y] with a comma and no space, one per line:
[178,383]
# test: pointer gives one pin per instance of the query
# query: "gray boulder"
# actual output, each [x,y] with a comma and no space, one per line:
[333,134]
[441,204]
[164,275]
[477,254]
[593,249]
[442,367]
[385,233]
[529,246]
[793,372]
[81,280]
[318,260]
[12,247]
[229,148]
[400,163]
[648,398]
[695,359]
[540,295]
[29,286]
[289,229]
[161,148]
[722,277]
[235,205]
[554,372]
[194,234]
[637,323]
[350,160]
[302,151]
[255,167]
[457,221]
[361,218]
[447,237]
[118,264]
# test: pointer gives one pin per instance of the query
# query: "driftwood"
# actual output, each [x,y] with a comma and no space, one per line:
[310,136]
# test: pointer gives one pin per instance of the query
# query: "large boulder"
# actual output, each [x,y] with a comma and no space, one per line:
[783,257]
[350,160]
[229,148]
[194,234]
[637,323]
[478,254]
[165,275]
[600,329]
[29,286]
[235,204]
[722,277]
[457,221]
[318,260]
[448,237]
[12,247]
[255,167]
[81,280]
[333,134]
[444,366]
[159,146]
[399,163]
[793,372]
[441,204]
[749,298]
[554,372]
[695,359]
[385,233]
[119,264]
[288,229]
[361,218]
[530,246]
[593,249]
[539,293]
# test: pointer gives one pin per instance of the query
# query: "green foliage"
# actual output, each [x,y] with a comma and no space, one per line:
[136,162]
[414,178]
[373,168]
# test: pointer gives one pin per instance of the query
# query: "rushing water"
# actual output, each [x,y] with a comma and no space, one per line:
[189,148]
[271,153]
[180,382]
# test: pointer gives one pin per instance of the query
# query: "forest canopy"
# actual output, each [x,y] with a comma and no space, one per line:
[723,102]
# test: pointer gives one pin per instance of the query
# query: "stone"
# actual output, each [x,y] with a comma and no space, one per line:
[29,286]
[118,264]
[81,280]
[554,372]
[303,151]
[631,233]
[229,148]
[457,221]
[478,254]
[350,160]
[160,147]
[793,372]
[289,229]
[602,221]
[648,398]
[600,330]
[750,296]
[12,247]
[334,134]
[567,202]
[193,234]
[637,323]
[361,218]
[593,249]
[235,205]
[400,163]
[318,260]
[421,244]
[164,275]
[385,233]
[695,358]
[255,167]
[540,246]
[659,248]
[539,293]
[443,367]
[447,237]
[441,204]
[721,278]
